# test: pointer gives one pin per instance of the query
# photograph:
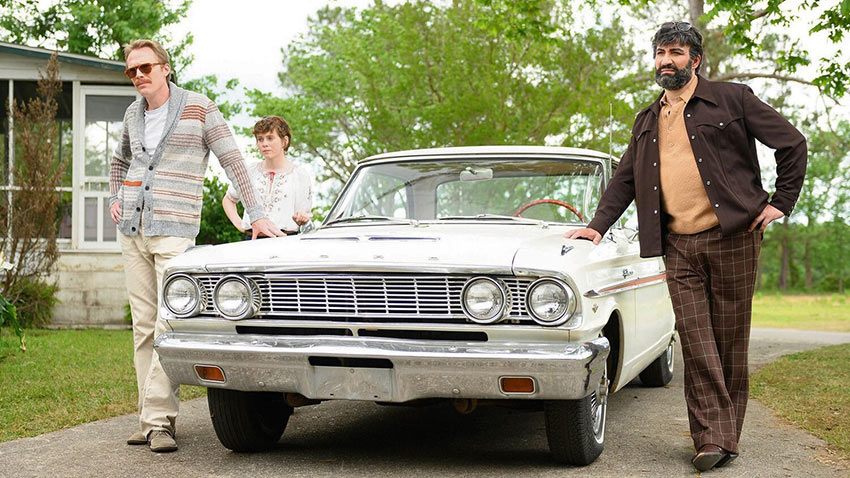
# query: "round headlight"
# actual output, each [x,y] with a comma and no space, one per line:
[234,298]
[182,296]
[484,300]
[551,302]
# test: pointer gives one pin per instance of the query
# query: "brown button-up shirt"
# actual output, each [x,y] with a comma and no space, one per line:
[723,120]
[683,197]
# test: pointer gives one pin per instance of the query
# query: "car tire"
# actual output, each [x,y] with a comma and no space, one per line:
[660,371]
[575,429]
[248,421]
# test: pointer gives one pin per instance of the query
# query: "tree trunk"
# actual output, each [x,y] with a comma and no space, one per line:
[785,249]
[807,261]
[695,10]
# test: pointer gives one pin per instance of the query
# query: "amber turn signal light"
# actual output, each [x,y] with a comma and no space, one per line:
[517,384]
[210,373]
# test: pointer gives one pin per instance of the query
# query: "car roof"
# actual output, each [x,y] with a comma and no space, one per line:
[486,151]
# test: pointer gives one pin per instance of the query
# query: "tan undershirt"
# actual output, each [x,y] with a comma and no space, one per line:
[682,193]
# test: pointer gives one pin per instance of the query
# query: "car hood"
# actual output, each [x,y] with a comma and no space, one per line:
[485,248]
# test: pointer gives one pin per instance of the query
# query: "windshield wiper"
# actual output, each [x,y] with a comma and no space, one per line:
[525,220]
[366,217]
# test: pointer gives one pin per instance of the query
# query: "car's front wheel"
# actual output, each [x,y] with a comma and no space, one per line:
[248,421]
[575,429]
[660,371]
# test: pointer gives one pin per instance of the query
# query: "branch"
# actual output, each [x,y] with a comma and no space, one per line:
[744,75]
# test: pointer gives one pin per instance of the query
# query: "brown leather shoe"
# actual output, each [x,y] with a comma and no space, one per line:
[162,442]
[708,457]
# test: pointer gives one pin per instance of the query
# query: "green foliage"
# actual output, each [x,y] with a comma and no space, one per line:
[416,75]
[9,318]
[209,85]
[91,27]
[34,299]
[128,314]
[215,226]
[745,32]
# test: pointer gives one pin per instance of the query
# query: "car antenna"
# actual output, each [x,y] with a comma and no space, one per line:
[610,138]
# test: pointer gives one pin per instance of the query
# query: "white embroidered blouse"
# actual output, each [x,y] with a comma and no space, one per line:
[281,194]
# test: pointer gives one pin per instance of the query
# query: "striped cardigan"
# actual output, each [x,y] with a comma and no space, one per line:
[165,191]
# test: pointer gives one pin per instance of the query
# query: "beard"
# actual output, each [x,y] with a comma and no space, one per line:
[678,79]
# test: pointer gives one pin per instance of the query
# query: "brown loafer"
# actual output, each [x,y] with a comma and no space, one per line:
[708,457]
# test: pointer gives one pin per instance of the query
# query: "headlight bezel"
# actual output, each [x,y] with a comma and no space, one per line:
[569,312]
[252,306]
[505,298]
[200,297]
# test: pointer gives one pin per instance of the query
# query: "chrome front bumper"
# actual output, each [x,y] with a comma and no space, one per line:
[418,369]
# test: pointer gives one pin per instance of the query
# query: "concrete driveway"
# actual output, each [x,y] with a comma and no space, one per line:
[647,436]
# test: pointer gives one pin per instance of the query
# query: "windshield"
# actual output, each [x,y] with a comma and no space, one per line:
[552,190]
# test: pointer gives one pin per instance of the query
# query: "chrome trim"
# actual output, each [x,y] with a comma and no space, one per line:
[623,286]
[314,266]
[571,306]
[562,371]
[403,298]
[201,292]
[506,305]
[254,298]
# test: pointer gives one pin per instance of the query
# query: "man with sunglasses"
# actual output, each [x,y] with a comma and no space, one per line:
[156,181]
[692,168]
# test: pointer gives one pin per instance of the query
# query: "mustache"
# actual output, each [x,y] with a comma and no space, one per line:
[668,66]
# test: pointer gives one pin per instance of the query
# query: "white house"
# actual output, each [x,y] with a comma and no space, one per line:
[95,95]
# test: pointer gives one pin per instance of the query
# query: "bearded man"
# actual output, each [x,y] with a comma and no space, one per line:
[692,168]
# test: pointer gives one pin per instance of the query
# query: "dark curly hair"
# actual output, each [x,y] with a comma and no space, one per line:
[679,33]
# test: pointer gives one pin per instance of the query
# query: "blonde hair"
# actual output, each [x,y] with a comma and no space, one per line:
[158,50]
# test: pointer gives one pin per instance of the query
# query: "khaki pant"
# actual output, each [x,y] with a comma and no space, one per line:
[144,264]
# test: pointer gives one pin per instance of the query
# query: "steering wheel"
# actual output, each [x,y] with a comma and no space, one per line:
[572,208]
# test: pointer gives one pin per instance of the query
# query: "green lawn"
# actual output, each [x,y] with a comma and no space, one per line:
[812,390]
[66,377]
[807,312]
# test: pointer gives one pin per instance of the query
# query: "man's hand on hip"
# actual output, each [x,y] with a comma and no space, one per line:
[586,233]
[265,227]
[115,211]
[768,215]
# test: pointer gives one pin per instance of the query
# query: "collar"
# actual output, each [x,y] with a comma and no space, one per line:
[704,90]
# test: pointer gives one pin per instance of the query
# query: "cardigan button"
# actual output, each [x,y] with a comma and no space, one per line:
[150,168]
[133,229]
[138,209]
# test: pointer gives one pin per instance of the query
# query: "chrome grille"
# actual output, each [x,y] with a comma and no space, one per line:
[367,297]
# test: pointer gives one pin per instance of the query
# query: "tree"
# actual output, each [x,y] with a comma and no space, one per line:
[91,27]
[417,75]
[28,239]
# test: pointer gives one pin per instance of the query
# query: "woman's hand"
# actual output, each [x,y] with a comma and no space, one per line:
[301,217]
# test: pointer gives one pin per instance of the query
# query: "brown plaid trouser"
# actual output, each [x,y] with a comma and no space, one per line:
[711,281]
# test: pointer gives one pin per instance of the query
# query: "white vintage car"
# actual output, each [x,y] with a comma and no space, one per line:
[438,274]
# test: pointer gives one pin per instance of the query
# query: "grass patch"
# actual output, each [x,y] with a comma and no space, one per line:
[805,312]
[812,390]
[65,378]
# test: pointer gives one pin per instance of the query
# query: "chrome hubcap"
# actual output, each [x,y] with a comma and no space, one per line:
[670,350]
[599,407]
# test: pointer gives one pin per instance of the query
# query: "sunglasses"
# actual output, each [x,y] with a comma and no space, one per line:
[678,26]
[144,68]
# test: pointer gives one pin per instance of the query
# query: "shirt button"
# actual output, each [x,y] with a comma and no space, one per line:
[708,183]
[671,145]
[653,140]
[693,137]
[699,160]
[689,115]
[654,164]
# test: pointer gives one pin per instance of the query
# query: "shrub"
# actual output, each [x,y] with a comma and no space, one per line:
[215,226]
[34,299]
[9,318]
